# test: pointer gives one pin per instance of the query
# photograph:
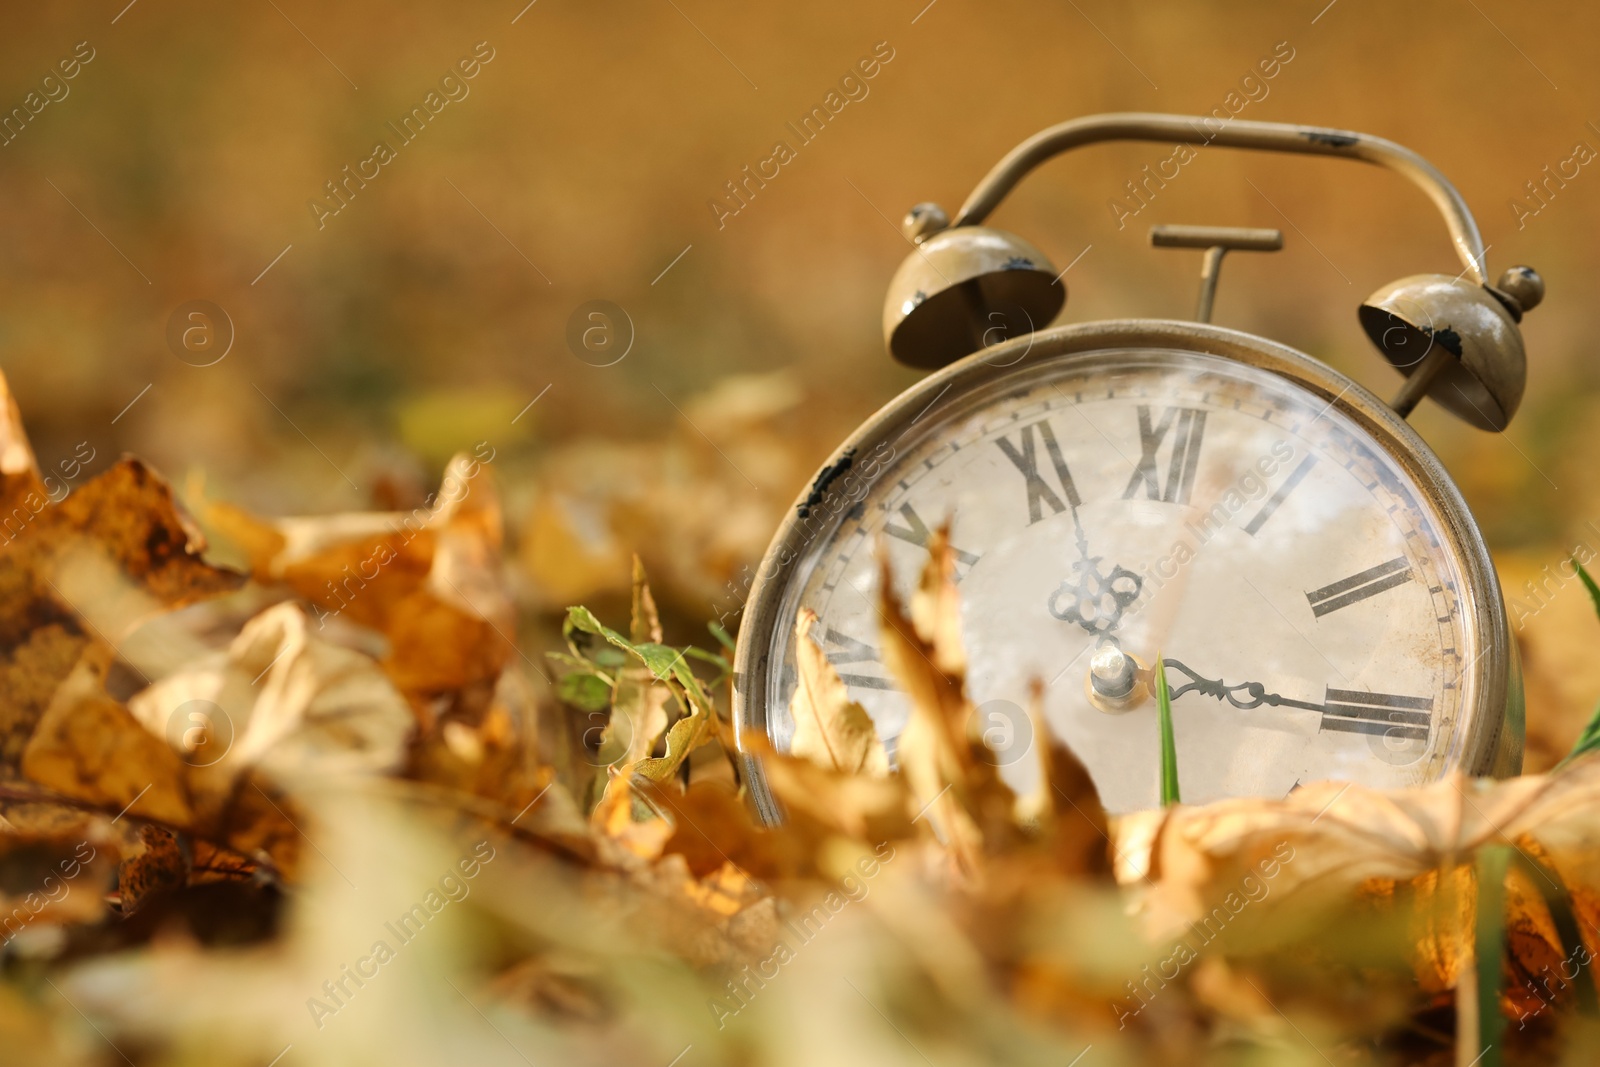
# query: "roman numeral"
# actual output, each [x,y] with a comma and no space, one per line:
[1026,460]
[1369,582]
[1296,476]
[1190,429]
[916,532]
[1410,718]
[842,648]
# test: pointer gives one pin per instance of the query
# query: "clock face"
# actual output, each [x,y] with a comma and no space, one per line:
[1312,606]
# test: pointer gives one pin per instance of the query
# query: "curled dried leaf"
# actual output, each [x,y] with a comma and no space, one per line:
[19,471]
[1065,804]
[639,700]
[157,863]
[1331,843]
[82,574]
[280,700]
[829,728]
[51,879]
[89,747]
[820,803]
[428,579]
[954,781]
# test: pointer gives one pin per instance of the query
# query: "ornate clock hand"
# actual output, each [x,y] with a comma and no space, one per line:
[1393,716]
[1096,601]
[1257,694]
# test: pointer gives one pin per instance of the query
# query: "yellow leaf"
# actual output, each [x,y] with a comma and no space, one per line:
[89,747]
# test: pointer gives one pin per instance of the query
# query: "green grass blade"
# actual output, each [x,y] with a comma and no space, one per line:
[720,632]
[1589,740]
[1169,744]
[1588,583]
[1489,956]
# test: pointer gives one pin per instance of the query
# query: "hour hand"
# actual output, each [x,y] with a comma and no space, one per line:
[1094,600]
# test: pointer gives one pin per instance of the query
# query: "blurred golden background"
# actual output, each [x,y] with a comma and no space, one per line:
[578,161]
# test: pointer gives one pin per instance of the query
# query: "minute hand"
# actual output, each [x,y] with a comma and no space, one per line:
[1255,693]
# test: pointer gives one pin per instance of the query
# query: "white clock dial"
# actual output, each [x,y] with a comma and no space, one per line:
[1295,578]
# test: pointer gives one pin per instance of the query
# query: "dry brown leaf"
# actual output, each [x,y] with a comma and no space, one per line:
[819,803]
[639,706]
[155,865]
[282,701]
[624,820]
[428,580]
[94,750]
[1066,805]
[129,514]
[1537,956]
[953,782]
[1440,907]
[259,822]
[713,827]
[20,484]
[83,573]
[829,728]
[1330,843]
[52,879]
[89,747]
[277,710]
[932,750]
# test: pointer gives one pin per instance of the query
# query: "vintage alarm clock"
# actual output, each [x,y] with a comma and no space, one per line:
[1323,600]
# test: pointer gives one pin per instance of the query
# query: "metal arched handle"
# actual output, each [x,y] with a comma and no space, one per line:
[1263,136]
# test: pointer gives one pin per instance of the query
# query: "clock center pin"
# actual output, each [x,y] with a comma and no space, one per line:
[1115,679]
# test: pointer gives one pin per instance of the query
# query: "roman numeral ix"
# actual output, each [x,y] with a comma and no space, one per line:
[1369,582]
[1186,437]
[1026,460]
[842,648]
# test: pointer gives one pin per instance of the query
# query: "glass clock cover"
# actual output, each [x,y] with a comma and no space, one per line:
[1298,582]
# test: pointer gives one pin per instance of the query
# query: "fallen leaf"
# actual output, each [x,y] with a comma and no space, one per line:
[157,864]
[829,728]
[953,783]
[282,701]
[427,579]
[89,747]
[639,706]
[84,573]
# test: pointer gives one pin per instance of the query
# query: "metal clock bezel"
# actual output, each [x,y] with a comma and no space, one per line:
[1489,744]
